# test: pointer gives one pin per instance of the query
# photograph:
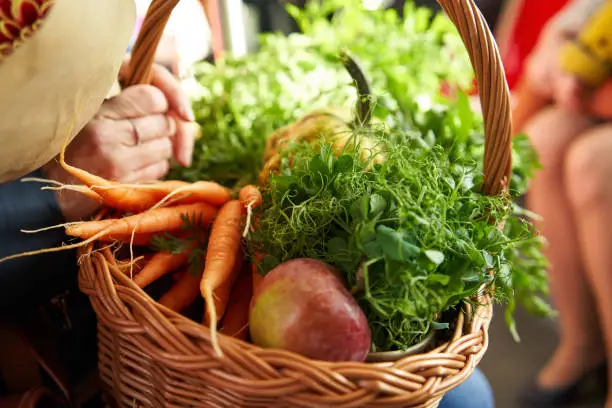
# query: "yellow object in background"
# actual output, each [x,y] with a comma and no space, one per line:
[589,56]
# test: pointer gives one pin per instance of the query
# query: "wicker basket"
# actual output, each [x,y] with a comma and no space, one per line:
[150,356]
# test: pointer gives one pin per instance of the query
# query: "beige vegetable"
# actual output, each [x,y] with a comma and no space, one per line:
[53,81]
[337,126]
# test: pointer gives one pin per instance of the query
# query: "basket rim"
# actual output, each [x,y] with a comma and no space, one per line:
[472,317]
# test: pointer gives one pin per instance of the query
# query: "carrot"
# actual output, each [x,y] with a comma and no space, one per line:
[183,292]
[124,199]
[256,277]
[222,293]
[181,192]
[222,254]
[139,239]
[250,197]
[86,191]
[236,319]
[127,198]
[150,222]
[160,264]
[178,275]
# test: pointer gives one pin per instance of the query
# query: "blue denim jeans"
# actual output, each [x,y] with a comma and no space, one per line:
[475,392]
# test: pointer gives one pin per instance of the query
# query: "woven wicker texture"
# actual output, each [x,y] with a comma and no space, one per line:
[150,356]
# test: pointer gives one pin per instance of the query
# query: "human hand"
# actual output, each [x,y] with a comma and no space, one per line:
[130,139]
[545,75]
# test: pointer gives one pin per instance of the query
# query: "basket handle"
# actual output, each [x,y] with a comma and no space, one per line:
[492,89]
[145,47]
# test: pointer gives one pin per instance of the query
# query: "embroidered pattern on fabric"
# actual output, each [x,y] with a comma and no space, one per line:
[19,20]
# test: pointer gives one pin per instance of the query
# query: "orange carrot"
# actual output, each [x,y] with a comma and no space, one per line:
[178,275]
[250,197]
[183,292]
[128,198]
[139,239]
[198,192]
[222,254]
[222,293]
[160,264]
[124,199]
[256,277]
[236,319]
[141,197]
[150,222]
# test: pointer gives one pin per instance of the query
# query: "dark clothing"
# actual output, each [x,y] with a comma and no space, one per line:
[23,205]
[28,284]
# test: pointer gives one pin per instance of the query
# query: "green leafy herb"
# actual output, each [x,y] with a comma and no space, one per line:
[192,240]
[240,101]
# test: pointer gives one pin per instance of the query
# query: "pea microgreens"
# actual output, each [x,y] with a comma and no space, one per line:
[415,227]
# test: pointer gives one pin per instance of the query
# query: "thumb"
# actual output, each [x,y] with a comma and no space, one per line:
[134,102]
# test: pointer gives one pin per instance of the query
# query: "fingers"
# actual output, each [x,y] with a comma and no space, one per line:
[147,153]
[170,87]
[183,141]
[147,128]
[135,101]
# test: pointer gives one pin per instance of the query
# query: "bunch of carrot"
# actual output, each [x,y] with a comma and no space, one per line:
[146,211]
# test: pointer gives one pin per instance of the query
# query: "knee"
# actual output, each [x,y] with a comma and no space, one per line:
[588,169]
[550,133]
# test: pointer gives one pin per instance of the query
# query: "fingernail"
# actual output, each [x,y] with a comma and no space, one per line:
[187,111]
[186,159]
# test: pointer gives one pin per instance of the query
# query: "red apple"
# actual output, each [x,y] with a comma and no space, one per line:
[303,306]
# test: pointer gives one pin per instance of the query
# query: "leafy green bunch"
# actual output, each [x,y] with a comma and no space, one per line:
[401,233]
[240,101]
[411,234]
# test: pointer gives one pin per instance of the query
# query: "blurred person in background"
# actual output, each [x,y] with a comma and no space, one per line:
[573,195]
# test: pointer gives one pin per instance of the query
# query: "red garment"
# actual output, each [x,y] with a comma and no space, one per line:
[525,33]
